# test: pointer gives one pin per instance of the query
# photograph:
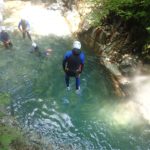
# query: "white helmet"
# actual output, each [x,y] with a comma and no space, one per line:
[77,45]
[34,44]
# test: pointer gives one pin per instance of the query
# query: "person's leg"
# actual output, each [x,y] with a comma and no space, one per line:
[77,82]
[67,80]
[23,34]
[29,36]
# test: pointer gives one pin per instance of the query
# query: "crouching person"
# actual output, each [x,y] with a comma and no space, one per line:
[4,37]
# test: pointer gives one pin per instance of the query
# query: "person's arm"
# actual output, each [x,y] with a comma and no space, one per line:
[82,57]
[65,59]
[19,26]
[64,63]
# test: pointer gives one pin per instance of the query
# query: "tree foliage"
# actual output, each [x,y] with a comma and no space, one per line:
[138,10]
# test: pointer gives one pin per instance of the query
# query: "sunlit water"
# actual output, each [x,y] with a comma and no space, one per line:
[93,120]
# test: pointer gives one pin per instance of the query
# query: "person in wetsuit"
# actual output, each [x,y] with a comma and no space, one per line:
[5,38]
[73,63]
[24,27]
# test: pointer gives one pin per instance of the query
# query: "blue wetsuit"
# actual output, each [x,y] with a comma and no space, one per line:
[73,64]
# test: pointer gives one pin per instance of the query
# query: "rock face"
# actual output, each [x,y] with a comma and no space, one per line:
[119,45]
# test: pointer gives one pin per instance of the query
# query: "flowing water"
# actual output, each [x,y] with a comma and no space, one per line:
[92,120]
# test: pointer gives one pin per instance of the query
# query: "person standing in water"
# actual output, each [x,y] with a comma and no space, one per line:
[73,63]
[24,27]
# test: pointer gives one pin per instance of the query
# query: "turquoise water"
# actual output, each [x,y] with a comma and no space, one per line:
[93,120]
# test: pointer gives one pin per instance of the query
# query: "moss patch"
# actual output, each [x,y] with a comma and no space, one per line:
[7,136]
[12,138]
[4,99]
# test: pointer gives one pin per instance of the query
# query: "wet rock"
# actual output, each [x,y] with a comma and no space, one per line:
[128,65]
[103,37]
[116,46]
[9,121]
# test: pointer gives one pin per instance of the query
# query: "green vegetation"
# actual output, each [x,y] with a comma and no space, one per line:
[8,136]
[4,99]
[133,14]
[127,9]
[7,133]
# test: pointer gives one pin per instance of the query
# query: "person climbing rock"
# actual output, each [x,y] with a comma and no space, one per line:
[24,27]
[5,38]
[73,63]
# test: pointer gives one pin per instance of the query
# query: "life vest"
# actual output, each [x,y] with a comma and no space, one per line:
[73,62]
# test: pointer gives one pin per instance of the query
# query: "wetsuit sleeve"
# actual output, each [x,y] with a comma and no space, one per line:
[82,57]
[66,56]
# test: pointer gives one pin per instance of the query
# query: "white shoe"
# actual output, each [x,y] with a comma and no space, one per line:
[68,88]
[78,91]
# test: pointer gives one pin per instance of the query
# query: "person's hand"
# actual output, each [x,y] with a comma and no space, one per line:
[78,71]
[66,69]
